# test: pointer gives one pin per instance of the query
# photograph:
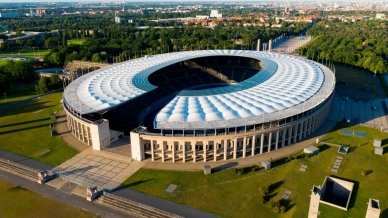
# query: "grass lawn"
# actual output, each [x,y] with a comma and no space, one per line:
[3,62]
[25,130]
[17,201]
[26,53]
[18,92]
[76,41]
[231,195]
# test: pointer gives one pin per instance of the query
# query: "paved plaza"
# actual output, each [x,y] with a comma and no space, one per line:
[288,45]
[371,113]
[98,168]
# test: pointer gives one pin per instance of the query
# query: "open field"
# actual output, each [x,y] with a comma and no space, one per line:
[18,92]
[76,41]
[24,129]
[231,195]
[16,201]
[26,53]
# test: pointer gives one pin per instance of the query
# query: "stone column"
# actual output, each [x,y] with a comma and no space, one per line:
[277,140]
[162,151]
[235,148]
[296,132]
[261,143]
[309,126]
[253,145]
[244,146]
[225,148]
[284,131]
[289,135]
[194,154]
[215,150]
[305,128]
[152,151]
[204,152]
[184,152]
[173,152]
[269,141]
[301,129]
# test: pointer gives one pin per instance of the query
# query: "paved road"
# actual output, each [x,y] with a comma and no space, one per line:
[58,195]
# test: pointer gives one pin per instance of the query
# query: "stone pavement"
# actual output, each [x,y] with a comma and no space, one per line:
[98,168]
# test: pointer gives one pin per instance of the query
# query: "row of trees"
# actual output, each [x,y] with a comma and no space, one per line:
[361,43]
[118,43]
[15,71]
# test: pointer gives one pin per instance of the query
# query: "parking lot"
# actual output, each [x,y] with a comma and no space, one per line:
[359,99]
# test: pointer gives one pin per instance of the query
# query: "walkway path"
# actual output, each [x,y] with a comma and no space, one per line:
[98,168]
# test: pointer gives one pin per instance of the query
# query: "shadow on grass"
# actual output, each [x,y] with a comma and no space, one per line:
[224,166]
[384,142]
[287,204]
[385,149]
[248,169]
[125,186]
[23,129]
[16,188]
[384,213]
[279,162]
[24,108]
[323,147]
[25,122]
[272,187]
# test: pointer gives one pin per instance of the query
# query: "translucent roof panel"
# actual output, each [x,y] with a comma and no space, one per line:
[285,86]
[295,85]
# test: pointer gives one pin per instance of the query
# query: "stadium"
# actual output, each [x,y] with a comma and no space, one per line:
[199,106]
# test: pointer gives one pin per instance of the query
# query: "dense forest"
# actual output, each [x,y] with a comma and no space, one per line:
[361,43]
[119,43]
[107,41]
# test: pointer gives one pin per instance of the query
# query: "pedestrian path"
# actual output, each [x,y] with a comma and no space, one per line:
[337,164]
[97,168]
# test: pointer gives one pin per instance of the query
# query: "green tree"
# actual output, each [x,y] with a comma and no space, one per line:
[42,86]
[96,57]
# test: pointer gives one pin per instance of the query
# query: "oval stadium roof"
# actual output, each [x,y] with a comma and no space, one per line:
[287,85]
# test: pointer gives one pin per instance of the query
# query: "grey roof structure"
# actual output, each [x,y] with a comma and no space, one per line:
[286,86]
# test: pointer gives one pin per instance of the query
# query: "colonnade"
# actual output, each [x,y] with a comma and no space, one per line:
[226,147]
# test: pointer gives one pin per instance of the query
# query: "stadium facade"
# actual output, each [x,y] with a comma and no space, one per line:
[199,106]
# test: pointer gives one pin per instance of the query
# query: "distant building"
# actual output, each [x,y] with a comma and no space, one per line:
[202,17]
[40,12]
[9,15]
[117,18]
[380,16]
[215,14]
[130,21]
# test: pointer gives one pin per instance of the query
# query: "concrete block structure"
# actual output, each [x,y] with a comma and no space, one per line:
[374,209]
[311,150]
[377,142]
[201,106]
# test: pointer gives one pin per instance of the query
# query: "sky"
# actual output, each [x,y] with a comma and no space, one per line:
[321,1]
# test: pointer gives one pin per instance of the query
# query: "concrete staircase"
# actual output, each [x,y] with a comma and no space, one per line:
[18,169]
[132,207]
